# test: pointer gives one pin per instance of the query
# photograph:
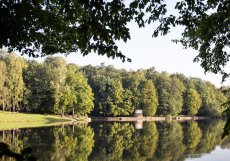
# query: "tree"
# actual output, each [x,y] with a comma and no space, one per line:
[64,101]
[81,95]
[192,101]
[57,71]
[170,90]
[14,83]
[3,88]
[37,81]
[126,105]
[148,98]
[62,27]
[131,81]
[176,96]
[211,98]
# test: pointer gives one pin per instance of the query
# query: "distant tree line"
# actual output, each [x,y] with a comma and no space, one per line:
[49,87]
[54,86]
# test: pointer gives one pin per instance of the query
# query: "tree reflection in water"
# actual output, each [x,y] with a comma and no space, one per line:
[115,141]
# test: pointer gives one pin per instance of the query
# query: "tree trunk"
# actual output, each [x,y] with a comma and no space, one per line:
[62,113]
[73,128]
[3,135]
[13,138]
[62,127]
[3,106]
[73,112]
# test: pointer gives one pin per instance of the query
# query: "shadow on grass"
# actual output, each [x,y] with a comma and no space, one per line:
[56,120]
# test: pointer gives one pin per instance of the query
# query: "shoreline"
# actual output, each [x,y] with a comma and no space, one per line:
[147,118]
[23,120]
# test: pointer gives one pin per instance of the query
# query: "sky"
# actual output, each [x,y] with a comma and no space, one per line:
[146,51]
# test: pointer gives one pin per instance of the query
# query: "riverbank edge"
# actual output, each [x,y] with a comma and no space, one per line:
[13,121]
[148,118]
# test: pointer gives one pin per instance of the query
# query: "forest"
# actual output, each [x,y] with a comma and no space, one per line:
[56,87]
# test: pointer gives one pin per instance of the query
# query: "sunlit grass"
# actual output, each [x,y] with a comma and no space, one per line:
[21,120]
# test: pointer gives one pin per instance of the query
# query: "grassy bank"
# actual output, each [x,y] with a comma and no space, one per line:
[21,120]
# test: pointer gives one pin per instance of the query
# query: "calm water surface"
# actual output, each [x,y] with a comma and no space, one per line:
[103,141]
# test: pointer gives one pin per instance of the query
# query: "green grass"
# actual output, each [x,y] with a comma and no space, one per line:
[21,120]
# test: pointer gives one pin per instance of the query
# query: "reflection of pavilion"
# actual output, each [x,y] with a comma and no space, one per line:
[138,124]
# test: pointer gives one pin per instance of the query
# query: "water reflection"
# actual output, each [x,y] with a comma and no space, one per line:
[166,141]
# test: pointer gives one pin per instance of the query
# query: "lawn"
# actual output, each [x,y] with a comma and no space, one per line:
[21,120]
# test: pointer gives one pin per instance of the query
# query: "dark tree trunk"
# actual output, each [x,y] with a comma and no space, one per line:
[73,112]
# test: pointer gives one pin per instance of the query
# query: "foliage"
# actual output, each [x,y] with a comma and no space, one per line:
[80,96]
[212,98]
[148,98]
[50,27]
[57,87]
[54,86]
[38,83]
[3,88]
[170,91]
[192,101]
[12,85]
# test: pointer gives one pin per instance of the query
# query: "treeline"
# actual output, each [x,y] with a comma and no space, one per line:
[120,92]
[49,87]
[57,87]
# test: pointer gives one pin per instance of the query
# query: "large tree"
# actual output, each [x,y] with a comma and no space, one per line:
[37,81]
[192,101]
[3,88]
[148,100]
[12,85]
[169,91]
[81,96]
[53,26]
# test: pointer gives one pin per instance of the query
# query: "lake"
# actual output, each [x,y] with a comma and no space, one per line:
[129,141]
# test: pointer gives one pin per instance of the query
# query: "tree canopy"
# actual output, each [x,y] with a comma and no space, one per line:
[53,86]
[56,26]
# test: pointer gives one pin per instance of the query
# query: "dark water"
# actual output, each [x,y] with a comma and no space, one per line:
[103,141]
